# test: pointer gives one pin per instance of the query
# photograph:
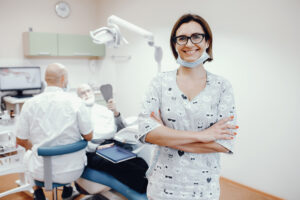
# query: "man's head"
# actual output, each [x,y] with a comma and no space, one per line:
[56,75]
[86,93]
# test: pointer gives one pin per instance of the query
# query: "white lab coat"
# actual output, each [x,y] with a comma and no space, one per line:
[50,119]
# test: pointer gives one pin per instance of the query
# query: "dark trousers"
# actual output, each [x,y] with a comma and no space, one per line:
[130,172]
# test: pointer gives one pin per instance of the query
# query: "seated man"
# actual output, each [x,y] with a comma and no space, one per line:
[106,123]
[53,118]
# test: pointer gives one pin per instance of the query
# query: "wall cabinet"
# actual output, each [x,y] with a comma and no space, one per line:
[56,44]
[40,44]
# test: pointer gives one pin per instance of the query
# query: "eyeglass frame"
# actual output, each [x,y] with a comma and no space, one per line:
[189,38]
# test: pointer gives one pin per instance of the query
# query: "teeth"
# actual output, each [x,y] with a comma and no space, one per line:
[190,52]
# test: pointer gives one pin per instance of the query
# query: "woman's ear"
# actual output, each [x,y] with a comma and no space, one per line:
[207,44]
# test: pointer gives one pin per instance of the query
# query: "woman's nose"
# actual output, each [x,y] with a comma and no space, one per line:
[189,42]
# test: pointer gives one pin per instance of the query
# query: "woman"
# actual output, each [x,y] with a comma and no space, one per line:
[197,112]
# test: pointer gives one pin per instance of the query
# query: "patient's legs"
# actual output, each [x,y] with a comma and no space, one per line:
[131,172]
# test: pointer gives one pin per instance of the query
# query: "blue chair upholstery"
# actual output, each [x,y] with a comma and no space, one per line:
[110,181]
[47,153]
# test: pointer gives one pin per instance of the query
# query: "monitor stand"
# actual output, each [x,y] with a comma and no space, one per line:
[20,95]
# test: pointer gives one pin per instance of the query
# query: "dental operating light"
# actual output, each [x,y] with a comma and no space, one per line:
[112,37]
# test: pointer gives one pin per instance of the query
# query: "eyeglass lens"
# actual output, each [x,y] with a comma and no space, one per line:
[195,38]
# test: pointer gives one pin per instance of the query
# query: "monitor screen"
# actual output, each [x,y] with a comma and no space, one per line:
[20,78]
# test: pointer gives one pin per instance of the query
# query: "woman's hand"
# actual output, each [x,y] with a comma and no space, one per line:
[105,146]
[218,131]
[157,118]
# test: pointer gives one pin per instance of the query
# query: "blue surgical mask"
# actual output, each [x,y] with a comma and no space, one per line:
[200,60]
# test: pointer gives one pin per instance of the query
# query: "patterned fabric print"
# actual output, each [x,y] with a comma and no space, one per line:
[178,175]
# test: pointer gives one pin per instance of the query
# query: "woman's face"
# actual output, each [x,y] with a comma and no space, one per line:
[190,52]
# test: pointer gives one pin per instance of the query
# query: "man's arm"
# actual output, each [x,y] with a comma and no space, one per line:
[85,123]
[24,143]
[119,122]
[88,137]
[117,115]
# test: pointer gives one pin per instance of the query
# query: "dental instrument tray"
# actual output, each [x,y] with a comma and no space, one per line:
[115,154]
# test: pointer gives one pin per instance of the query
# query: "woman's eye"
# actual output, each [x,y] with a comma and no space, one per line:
[181,38]
[197,36]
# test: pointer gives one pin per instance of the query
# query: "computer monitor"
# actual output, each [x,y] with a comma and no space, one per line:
[19,79]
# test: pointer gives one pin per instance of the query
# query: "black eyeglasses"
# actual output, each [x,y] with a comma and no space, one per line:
[195,38]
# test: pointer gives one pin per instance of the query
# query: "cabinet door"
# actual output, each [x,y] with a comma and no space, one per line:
[40,44]
[78,45]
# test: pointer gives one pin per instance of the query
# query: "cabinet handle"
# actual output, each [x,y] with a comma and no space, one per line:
[82,54]
[44,53]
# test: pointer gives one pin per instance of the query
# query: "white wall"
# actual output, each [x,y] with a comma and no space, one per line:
[17,16]
[256,47]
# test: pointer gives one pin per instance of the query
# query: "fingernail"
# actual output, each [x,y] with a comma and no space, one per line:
[236,126]
[232,117]
[152,114]
[235,133]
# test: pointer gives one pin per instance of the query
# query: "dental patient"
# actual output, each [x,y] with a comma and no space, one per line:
[106,122]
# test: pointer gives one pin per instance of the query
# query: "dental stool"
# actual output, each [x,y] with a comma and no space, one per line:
[95,182]
[47,153]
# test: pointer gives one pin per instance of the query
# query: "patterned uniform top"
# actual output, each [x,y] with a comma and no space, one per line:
[174,174]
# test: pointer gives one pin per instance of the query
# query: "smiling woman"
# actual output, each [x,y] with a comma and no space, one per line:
[189,114]
[201,34]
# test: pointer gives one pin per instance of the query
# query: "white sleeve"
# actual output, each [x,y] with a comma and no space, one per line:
[150,104]
[226,108]
[21,129]
[103,122]
[84,120]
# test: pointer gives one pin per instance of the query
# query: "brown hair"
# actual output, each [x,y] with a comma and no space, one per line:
[185,19]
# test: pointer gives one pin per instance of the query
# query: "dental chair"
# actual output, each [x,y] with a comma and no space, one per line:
[97,182]
[47,153]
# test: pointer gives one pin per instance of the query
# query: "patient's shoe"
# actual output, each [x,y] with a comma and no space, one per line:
[39,194]
[69,193]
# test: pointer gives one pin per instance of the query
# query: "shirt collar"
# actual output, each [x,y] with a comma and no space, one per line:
[53,89]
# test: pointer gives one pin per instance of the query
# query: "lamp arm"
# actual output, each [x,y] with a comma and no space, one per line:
[121,22]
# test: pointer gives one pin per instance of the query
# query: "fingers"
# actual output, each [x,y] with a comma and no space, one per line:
[225,120]
[105,146]
[229,126]
[228,132]
[225,137]
[111,105]
[156,118]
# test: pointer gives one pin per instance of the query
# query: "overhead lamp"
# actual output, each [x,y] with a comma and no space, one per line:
[112,37]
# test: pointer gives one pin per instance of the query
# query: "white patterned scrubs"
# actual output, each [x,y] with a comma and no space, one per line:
[174,174]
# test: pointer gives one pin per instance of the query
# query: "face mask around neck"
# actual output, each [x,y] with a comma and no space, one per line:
[200,60]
